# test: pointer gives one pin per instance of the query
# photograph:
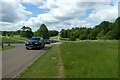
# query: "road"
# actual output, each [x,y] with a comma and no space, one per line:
[17,59]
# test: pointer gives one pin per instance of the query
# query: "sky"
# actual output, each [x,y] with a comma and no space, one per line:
[56,14]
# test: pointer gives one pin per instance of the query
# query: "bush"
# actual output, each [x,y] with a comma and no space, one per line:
[53,33]
[83,37]
[72,38]
[26,34]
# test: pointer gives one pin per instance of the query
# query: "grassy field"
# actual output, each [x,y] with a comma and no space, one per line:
[10,40]
[97,59]
[6,48]
[54,38]
[19,38]
[81,59]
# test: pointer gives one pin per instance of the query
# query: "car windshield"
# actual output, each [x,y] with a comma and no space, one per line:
[35,39]
[46,39]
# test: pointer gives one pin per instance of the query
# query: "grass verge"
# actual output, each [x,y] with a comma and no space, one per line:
[10,40]
[44,67]
[6,48]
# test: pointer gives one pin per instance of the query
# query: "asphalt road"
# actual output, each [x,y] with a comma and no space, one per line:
[17,59]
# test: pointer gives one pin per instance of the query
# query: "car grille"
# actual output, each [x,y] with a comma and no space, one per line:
[32,44]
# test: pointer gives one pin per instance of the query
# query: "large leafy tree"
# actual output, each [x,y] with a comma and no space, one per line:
[93,34]
[43,32]
[63,33]
[83,36]
[117,28]
[26,32]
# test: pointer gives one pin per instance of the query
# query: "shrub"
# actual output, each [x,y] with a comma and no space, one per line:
[83,37]
[72,38]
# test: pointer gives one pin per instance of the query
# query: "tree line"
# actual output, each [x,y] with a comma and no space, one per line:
[26,32]
[105,30]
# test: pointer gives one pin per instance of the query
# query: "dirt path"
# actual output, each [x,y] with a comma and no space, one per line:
[60,67]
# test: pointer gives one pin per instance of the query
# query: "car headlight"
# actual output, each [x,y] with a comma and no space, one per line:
[40,41]
[27,43]
[36,43]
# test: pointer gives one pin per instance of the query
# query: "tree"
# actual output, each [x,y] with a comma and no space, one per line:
[53,33]
[105,30]
[68,33]
[77,33]
[36,33]
[4,33]
[101,35]
[117,28]
[93,34]
[17,32]
[110,35]
[83,37]
[63,33]
[9,35]
[23,28]
[72,38]
[43,32]
[26,32]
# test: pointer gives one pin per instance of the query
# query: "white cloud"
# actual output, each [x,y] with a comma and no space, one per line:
[27,1]
[119,8]
[106,13]
[13,11]
[66,10]
[66,13]
[7,26]
[31,1]
[10,0]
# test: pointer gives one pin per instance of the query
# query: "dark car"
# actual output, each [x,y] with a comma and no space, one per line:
[35,42]
[53,41]
[46,41]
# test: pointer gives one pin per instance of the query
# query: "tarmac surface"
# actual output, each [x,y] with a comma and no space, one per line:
[15,60]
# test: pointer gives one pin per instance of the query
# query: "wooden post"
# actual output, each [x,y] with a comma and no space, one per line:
[8,44]
[2,44]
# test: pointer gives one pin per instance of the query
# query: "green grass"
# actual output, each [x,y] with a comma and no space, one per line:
[44,67]
[81,59]
[10,40]
[54,38]
[95,59]
[6,48]
[19,38]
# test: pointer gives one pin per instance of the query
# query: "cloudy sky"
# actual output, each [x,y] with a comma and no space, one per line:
[56,14]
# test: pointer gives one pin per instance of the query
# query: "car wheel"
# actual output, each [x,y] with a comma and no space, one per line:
[40,46]
[27,48]
[43,46]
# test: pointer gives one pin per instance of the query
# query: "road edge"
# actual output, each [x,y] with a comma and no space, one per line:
[29,64]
